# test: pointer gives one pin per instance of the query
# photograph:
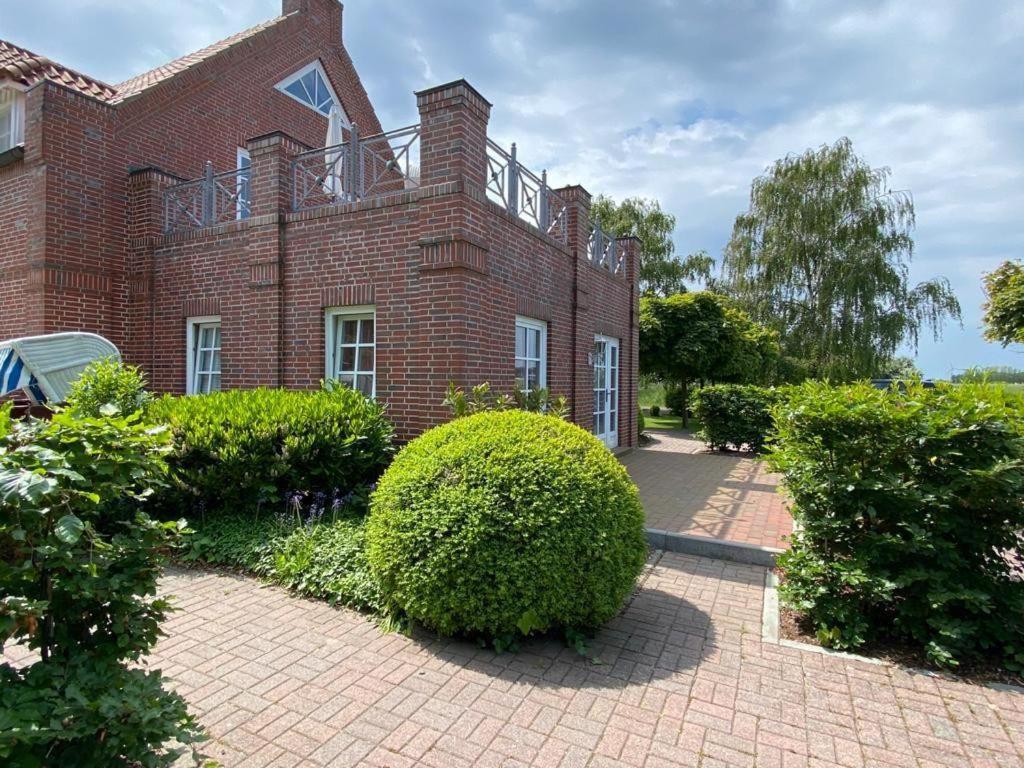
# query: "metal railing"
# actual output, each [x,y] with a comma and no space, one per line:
[522,193]
[216,198]
[603,250]
[358,168]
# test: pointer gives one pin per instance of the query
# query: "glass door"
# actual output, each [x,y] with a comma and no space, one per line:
[606,390]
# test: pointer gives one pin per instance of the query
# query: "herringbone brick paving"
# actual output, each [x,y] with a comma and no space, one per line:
[687,489]
[681,678]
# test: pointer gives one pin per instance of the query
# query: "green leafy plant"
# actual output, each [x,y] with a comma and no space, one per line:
[501,524]
[108,382]
[247,451]
[1004,305]
[907,502]
[734,415]
[320,557]
[481,398]
[79,561]
[655,411]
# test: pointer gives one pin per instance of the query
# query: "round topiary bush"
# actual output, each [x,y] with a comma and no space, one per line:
[503,523]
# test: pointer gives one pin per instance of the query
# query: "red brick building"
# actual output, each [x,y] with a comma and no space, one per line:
[199,218]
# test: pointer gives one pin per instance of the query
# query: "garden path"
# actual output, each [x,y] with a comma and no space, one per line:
[689,490]
[684,679]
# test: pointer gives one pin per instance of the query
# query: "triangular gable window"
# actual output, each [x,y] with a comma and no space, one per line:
[311,87]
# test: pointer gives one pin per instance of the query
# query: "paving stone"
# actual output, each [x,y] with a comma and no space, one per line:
[731,700]
[687,489]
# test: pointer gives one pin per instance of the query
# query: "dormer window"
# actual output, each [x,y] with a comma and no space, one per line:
[311,87]
[12,117]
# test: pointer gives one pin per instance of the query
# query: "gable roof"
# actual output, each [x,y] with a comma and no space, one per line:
[136,85]
[27,68]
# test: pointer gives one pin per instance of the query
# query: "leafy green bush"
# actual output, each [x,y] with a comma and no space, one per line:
[675,399]
[79,561]
[641,423]
[108,382]
[502,523]
[481,398]
[734,415]
[655,411]
[322,558]
[245,450]
[906,502]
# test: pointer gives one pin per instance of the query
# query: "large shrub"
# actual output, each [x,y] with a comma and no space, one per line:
[503,523]
[242,450]
[734,415]
[906,503]
[108,382]
[79,560]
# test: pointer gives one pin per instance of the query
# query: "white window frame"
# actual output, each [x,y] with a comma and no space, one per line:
[243,211]
[313,65]
[534,325]
[331,321]
[193,326]
[15,117]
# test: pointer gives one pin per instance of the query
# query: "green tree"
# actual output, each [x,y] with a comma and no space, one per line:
[1004,309]
[79,562]
[701,336]
[662,273]
[821,256]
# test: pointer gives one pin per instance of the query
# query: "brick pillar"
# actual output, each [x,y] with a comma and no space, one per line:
[145,226]
[453,141]
[577,211]
[253,340]
[577,205]
[630,354]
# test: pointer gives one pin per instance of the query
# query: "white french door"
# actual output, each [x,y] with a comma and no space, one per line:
[606,390]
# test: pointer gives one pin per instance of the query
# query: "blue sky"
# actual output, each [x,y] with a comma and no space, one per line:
[681,101]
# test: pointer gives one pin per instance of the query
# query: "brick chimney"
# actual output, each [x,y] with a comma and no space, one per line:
[321,12]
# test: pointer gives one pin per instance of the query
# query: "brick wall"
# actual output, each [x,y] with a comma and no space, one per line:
[446,269]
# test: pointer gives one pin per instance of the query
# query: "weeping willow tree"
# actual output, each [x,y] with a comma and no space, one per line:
[661,271]
[822,257]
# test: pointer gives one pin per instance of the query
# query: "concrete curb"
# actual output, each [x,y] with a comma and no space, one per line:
[748,554]
[770,634]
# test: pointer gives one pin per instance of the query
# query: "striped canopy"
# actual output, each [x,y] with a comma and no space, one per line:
[44,367]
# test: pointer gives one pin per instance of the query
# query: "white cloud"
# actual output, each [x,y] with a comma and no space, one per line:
[684,102]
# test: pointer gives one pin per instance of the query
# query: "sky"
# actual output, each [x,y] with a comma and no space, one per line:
[682,101]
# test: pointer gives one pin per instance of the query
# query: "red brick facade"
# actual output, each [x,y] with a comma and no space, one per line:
[446,269]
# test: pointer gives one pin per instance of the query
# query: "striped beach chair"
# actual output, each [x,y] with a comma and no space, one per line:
[44,367]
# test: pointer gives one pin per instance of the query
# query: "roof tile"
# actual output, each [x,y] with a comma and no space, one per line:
[23,66]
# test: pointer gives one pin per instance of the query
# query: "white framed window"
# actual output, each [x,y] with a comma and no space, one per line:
[531,354]
[12,117]
[311,86]
[351,347]
[203,366]
[243,184]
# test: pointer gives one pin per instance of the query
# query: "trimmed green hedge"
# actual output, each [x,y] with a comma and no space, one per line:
[906,502]
[503,523]
[242,450]
[734,415]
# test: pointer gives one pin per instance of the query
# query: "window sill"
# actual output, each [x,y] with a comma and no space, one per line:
[12,155]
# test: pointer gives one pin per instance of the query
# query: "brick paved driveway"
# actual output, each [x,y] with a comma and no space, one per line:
[684,680]
[686,489]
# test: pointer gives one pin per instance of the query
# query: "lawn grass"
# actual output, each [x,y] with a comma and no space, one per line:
[664,421]
[651,393]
